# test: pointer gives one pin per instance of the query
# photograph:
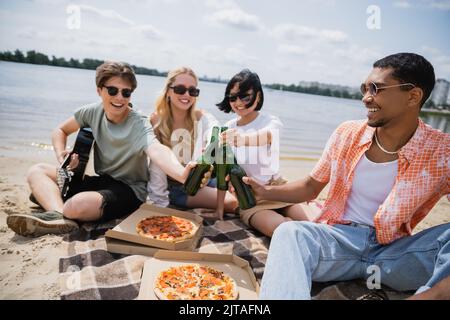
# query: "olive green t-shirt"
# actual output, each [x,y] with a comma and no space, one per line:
[119,149]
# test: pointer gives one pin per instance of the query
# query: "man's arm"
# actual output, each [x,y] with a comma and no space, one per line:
[294,192]
[166,160]
[59,137]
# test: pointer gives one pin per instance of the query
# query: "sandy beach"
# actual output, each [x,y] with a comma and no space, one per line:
[29,267]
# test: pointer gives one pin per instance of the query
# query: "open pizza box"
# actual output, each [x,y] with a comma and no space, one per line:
[124,239]
[237,268]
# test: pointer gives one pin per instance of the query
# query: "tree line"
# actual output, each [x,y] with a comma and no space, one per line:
[338,93]
[34,57]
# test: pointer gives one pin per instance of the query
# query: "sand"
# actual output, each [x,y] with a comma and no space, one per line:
[29,267]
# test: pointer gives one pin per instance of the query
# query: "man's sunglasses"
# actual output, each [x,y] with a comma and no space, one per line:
[244,97]
[373,88]
[180,89]
[113,91]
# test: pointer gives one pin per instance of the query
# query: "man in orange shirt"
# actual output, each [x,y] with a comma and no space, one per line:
[385,175]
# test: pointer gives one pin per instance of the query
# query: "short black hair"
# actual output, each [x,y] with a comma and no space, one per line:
[410,68]
[247,80]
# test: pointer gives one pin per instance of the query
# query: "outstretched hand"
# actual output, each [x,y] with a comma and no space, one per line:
[206,176]
[258,189]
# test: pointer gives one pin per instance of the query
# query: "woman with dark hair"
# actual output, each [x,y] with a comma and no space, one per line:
[254,137]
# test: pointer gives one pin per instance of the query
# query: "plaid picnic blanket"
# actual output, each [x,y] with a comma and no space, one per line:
[89,271]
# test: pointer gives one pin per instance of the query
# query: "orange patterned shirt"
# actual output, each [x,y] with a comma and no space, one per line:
[422,179]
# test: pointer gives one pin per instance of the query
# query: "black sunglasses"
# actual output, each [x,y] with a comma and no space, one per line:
[373,89]
[243,96]
[113,91]
[180,89]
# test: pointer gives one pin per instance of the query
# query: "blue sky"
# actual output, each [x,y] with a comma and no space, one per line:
[284,41]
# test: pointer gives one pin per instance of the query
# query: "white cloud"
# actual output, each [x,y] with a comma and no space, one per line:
[229,13]
[323,55]
[45,36]
[433,4]
[402,4]
[292,49]
[235,56]
[293,32]
[441,5]
[221,4]
[109,14]
[439,60]
[49,2]
[236,18]
[149,31]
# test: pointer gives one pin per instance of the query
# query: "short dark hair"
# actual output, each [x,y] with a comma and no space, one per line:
[410,68]
[110,69]
[247,80]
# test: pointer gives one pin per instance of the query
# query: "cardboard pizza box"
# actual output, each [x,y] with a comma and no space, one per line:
[127,247]
[126,230]
[236,267]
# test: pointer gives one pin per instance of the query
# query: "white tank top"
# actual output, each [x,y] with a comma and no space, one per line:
[372,183]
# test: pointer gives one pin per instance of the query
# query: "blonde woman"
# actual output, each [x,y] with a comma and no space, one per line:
[178,124]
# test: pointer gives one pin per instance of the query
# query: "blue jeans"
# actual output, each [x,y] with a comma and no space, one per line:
[178,196]
[301,252]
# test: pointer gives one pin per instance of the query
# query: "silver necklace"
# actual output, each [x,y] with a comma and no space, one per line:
[383,149]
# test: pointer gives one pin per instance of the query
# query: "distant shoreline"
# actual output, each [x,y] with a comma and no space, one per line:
[37,58]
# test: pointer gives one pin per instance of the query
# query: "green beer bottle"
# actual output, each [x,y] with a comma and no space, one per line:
[243,191]
[204,162]
[224,158]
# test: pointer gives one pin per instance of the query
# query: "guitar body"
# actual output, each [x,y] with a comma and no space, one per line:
[82,147]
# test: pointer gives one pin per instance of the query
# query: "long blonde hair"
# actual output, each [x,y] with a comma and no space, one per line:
[164,126]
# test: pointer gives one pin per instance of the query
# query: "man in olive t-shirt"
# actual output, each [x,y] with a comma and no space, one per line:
[124,142]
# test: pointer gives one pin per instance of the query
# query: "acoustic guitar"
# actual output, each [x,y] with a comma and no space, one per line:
[83,145]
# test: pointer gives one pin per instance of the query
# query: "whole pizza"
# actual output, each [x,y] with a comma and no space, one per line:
[194,282]
[166,228]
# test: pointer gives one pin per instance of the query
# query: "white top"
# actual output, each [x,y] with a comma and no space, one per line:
[372,183]
[260,162]
[157,185]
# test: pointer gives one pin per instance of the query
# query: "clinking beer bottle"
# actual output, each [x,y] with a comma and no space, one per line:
[222,163]
[204,162]
[218,158]
[244,192]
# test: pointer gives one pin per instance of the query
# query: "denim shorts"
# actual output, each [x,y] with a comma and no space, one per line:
[177,195]
[119,199]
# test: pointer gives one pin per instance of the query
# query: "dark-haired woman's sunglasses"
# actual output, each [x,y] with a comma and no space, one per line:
[373,88]
[113,91]
[180,89]
[244,97]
